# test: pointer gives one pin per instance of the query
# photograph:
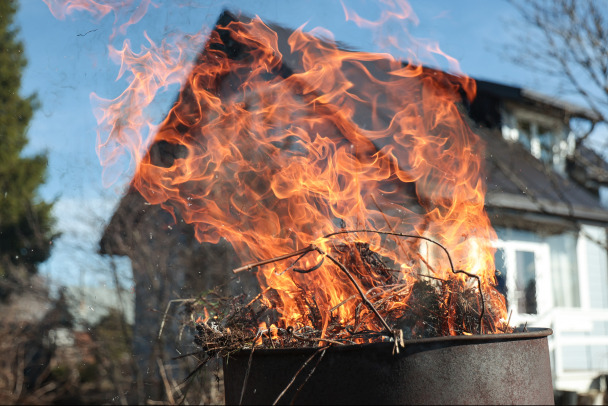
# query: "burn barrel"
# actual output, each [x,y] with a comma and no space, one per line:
[479,369]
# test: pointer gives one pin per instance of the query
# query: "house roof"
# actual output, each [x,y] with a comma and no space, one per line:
[515,180]
[589,168]
[533,98]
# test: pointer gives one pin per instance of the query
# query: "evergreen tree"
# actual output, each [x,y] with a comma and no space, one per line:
[25,220]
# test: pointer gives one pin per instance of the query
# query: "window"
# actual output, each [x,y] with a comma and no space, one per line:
[545,137]
[541,140]
[523,271]
[525,134]
[547,143]
[564,269]
[536,272]
[525,282]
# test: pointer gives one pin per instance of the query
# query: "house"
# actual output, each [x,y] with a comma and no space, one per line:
[543,199]
[544,202]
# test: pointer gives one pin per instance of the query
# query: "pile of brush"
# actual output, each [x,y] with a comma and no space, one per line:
[429,307]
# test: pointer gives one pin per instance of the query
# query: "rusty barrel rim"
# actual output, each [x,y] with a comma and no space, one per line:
[531,333]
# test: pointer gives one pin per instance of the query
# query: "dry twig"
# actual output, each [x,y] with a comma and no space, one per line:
[320,350]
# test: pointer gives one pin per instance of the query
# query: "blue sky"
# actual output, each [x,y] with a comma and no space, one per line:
[65,67]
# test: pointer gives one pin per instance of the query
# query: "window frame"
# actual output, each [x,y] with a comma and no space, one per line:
[562,144]
[542,264]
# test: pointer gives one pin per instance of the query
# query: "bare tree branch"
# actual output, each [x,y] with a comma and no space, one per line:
[568,40]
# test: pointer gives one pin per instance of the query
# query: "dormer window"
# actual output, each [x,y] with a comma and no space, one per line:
[547,138]
[540,140]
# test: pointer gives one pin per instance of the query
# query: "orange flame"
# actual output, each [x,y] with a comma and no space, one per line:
[272,165]
[62,8]
[131,10]
[122,120]
[286,138]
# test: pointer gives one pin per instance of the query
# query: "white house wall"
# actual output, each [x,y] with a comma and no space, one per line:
[579,344]
[593,240]
[597,270]
[581,334]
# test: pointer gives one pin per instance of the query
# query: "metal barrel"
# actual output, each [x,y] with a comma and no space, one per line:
[478,369]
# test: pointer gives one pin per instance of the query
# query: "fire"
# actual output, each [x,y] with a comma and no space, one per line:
[130,10]
[122,121]
[62,8]
[286,138]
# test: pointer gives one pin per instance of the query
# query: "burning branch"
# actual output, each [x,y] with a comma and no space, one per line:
[249,267]
[311,248]
[447,253]
[363,297]
[396,334]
